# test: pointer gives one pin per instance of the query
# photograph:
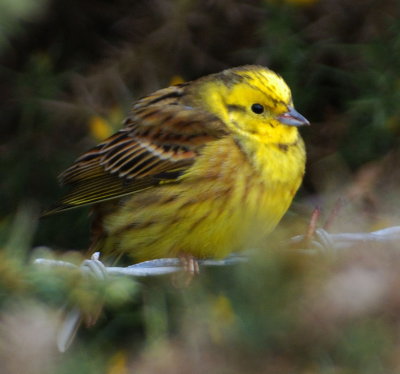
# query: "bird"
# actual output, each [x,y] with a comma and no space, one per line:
[199,170]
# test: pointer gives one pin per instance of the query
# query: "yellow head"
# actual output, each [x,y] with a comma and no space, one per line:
[253,101]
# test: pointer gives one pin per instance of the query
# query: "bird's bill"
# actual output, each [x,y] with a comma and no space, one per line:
[293,118]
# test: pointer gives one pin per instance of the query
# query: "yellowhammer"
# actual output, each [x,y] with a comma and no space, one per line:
[200,169]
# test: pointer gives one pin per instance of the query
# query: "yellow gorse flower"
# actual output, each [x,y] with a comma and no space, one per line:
[202,169]
[99,128]
[222,318]
[176,79]
[118,364]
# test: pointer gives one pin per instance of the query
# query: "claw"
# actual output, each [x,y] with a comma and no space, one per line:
[190,264]
[191,269]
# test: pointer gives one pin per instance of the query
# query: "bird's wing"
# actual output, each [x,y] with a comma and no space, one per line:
[160,140]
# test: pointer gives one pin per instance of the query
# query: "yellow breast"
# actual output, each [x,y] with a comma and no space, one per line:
[251,195]
[224,203]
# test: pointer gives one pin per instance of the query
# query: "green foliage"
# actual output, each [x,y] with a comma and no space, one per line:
[69,71]
[13,13]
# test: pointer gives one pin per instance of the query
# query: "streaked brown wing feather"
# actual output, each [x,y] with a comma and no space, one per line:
[161,138]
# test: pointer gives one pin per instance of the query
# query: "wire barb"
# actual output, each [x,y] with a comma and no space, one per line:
[150,268]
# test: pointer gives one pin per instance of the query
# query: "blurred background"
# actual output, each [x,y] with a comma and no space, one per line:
[69,72]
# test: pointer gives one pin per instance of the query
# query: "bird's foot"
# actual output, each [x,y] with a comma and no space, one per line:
[190,264]
[190,269]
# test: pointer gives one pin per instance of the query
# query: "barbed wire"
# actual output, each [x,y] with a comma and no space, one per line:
[95,268]
[321,242]
[156,267]
[324,241]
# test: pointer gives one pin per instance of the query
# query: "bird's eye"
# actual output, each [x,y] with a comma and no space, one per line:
[257,108]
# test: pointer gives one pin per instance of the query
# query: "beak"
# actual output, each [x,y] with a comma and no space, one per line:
[292,118]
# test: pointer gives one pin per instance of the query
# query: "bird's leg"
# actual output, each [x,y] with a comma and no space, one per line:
[190,264]
[190,267]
